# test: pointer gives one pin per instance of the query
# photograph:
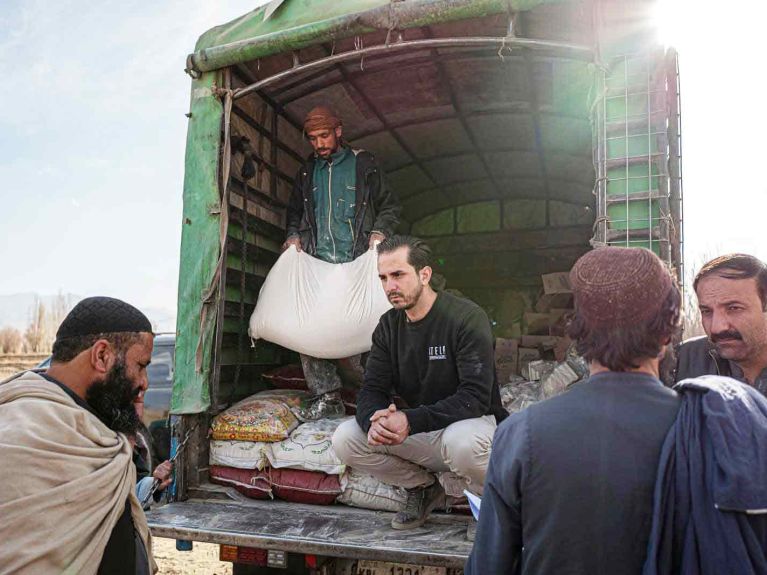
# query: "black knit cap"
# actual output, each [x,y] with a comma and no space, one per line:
[96,315]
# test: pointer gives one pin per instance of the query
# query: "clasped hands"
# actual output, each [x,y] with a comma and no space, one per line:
[388,427]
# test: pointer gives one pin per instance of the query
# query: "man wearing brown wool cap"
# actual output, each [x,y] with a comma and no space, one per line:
[339,208]
[68,502]
[571,478]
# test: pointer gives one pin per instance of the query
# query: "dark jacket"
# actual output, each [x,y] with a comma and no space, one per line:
[570,483]
[697,357]
[440,365]
[711,491]
[377,208]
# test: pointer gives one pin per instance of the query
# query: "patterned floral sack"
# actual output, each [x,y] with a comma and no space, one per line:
[309,447]
[265,416]
[239,454]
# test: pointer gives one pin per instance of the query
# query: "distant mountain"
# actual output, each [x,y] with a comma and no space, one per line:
[15,311]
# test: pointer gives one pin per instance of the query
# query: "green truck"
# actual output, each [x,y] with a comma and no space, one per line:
[518,134]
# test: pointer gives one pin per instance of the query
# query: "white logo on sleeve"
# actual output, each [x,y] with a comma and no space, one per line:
[437,352]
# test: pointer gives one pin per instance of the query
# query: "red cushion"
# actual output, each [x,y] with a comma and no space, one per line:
[287,377]
[250,482]
[296,485]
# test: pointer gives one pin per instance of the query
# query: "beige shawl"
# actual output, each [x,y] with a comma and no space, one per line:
[64,477]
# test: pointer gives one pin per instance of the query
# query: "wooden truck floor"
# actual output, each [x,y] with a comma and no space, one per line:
[332,530]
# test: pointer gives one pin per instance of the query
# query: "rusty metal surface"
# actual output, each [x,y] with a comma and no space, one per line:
[336,530]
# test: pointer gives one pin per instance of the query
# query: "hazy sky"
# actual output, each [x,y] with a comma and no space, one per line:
[92,136]
[723,122]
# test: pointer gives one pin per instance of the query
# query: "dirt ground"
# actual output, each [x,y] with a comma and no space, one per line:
[201,560]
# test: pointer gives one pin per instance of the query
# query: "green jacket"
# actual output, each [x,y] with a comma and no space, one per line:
[375,206]
[334,187]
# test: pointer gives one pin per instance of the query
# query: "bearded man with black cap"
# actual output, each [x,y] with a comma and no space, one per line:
[339,208]
[68,502]
[569,487]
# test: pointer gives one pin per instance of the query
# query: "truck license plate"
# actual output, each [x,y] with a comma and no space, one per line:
[383,568]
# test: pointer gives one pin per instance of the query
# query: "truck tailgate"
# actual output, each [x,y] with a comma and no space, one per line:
[336,530]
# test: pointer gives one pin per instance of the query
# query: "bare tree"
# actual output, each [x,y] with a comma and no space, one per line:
[44,321]
[11,340]
[59,310]
[35,334]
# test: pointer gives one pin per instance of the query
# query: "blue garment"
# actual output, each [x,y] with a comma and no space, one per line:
[710,502]
[570,483]
[335,191]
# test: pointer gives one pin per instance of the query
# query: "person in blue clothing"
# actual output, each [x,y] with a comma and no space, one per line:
[339,208]
[569,487]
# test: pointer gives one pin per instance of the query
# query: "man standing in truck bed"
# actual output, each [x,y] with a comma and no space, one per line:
[339,208]
[434,350]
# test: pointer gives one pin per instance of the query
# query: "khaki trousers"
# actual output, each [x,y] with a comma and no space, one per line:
[463,448]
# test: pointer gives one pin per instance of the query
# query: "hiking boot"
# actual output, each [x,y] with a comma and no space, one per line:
[420,502]
[328,405]
[471,530]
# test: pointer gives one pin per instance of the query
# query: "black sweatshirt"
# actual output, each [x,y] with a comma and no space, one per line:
[442,366]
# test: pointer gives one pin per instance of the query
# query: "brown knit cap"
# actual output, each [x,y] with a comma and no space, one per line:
[321,118]
[615,286]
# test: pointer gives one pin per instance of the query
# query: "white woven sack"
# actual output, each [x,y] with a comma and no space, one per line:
[309,447]
[320,309]
[366,491]
[239,454]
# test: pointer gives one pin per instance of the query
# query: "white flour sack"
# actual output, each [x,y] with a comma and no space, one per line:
[320,309]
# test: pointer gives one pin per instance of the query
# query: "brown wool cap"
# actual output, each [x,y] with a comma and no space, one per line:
[615,286]
[321,118]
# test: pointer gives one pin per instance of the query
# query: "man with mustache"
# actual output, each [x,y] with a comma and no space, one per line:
[435,351]
[340,207]
[68,500]
[732,298]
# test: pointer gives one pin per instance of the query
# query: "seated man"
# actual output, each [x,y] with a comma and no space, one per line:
[435,351]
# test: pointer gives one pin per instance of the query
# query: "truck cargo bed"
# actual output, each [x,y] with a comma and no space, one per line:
[221,515]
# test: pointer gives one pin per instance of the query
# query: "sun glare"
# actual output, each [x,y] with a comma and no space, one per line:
[669,21]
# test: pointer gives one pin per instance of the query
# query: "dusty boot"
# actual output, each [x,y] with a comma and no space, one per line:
[328,405]
[420,502]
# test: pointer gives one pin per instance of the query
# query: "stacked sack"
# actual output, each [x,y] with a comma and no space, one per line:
[259,449]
